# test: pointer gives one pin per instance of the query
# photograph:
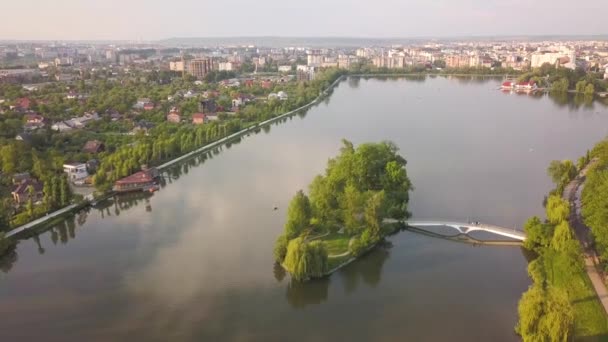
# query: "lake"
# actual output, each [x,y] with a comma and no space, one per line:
[193,262]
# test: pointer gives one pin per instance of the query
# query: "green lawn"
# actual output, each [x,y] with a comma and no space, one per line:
[590,322]
[336,243]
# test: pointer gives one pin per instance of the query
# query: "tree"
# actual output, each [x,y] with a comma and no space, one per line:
[589,89]
[305,260]
[373,214]
[30,201]
[545,315]
[64,192]
[537,234]
[562,237]
[580,86]
[351,205]
[299,214]
[560,86]
[558,209]
[280,248]
[561,171]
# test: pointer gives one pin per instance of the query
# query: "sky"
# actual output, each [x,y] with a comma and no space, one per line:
[160,19]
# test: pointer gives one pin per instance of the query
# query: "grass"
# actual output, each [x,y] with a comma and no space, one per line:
[336,243]
[590,321]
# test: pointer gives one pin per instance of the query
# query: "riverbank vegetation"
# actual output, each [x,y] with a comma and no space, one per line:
[437,69]
[561,303]
[43,152]
[342,217]
[561,80]
[595,201]
[168,141]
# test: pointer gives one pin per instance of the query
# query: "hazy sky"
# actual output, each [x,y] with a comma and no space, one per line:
[157,19]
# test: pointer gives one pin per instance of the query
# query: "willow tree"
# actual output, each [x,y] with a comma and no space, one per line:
[305,260]
[545,314]
[557,209]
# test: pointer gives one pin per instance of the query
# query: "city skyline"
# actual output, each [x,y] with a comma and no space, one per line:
[157,20]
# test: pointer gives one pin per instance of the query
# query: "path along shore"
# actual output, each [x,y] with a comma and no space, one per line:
[583,234]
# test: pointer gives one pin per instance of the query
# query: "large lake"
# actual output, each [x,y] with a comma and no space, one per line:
[194,261]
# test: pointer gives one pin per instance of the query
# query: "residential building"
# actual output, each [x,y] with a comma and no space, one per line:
[75,171]
[315,58]
[284,68]
[61,127]
[177,66]
[207,106]
[93,146]
[198,118]
[226,66]
[564,57]
[200,67]
[457,61]
[174,116]
[21,192]
[141,181]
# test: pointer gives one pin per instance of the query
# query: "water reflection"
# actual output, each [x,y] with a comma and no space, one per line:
[300,295]
[367,269]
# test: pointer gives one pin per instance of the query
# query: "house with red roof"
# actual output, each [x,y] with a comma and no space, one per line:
[141,181]
[174,115]
[199,118]
[22,103]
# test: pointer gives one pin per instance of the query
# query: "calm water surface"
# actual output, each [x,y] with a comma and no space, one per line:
[194,262]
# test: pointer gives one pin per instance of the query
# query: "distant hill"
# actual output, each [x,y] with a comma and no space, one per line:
[345,42]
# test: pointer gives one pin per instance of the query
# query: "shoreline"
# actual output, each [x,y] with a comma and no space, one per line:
[76,207]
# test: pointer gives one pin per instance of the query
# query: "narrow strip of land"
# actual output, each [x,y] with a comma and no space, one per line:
[582,233]
[188,155]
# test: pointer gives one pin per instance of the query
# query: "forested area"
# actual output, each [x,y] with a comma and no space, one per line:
[360,188]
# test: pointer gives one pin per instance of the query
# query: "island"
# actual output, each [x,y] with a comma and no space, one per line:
[343,216]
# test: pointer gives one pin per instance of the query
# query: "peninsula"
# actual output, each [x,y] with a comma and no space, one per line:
[342,218]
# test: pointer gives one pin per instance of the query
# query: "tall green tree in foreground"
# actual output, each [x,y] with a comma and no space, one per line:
[306,259]
[299,214]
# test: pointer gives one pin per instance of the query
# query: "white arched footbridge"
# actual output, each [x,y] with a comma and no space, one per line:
[466,228]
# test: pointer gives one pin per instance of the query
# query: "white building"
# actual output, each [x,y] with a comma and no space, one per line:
[606,73]
[177,66]
[564,57]
[315,58]
[284,68]
[226,66]
[75,171]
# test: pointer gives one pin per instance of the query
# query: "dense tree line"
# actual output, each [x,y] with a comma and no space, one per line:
[595,200]
[360,187]
[545,310]
[557,305]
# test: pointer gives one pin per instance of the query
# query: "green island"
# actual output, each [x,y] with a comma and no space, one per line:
[562,304]
[342,218]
